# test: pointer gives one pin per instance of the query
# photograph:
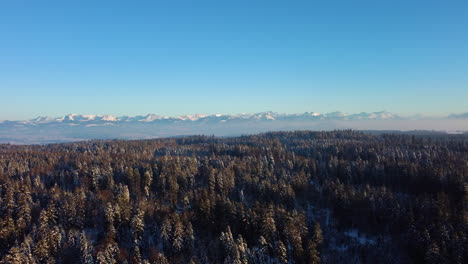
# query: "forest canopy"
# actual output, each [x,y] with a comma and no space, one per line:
[283,197]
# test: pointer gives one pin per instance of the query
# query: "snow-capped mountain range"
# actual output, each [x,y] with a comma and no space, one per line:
[81,119]
[74,127]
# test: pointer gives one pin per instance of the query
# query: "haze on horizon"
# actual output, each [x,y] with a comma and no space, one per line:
[210,57]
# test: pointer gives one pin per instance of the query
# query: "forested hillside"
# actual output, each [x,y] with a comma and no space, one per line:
[286,197]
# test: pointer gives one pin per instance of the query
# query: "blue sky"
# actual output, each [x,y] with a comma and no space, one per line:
[182,57]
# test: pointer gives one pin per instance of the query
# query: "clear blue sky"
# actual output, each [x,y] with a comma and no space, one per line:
[182,57]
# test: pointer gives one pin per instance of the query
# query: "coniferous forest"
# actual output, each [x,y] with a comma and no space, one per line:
[283,197]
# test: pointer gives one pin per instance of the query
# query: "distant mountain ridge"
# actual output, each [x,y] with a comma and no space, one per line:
[76,127]
[265,116]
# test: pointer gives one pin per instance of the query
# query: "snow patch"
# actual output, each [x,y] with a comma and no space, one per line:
[361,238]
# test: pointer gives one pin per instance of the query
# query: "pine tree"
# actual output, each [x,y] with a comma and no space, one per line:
[27,252]
[312,253]
[24,210]
[123,200]
[108,254]
[136,255]
[242,250]
[55,239]
[85,250]
[137,224]
[317,235]
[148,179]
[42,250]
[281,252]
[13,256]
[433,254]
[268,228]
[166,233]
[212,181]
[189,236]
[178,236]
[160,259]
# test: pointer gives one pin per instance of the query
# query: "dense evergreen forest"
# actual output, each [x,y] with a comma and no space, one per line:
[284,197]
